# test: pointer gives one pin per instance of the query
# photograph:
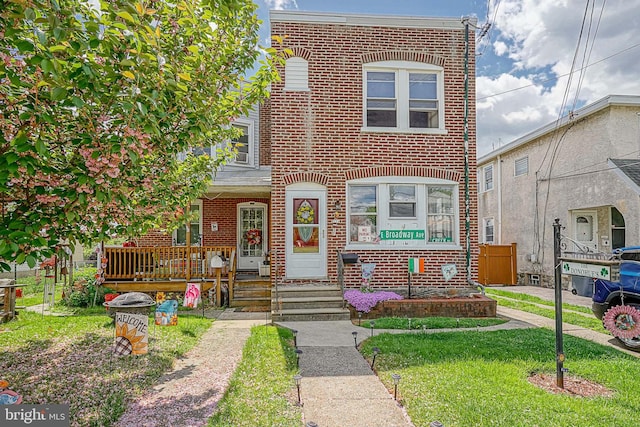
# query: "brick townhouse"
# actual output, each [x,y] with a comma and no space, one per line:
[360,150]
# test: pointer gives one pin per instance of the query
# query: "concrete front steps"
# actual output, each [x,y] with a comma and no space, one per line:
[307,302]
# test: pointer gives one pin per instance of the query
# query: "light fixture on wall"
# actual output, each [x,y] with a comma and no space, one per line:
[338,206]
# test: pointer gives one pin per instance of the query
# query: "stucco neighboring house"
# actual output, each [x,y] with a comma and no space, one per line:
[583,169]
[360,149]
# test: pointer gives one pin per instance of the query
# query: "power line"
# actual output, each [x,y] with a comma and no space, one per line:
[591,172]
[562,75]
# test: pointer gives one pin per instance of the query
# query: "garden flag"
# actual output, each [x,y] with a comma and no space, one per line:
[167,313]
[192,295]
[416,265]
[132,334]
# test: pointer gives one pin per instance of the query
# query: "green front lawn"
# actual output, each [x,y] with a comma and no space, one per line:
[480,378]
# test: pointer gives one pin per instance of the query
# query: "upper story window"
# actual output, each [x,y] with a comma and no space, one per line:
[402,212]
[242,143]
[296,74]
[487,178]
[521,166]
[403,96]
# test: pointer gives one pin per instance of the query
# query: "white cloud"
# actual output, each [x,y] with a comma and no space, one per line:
[539,39]
[281,4]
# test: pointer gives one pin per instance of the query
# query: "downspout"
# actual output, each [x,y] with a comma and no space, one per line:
[499,190]
[467,198]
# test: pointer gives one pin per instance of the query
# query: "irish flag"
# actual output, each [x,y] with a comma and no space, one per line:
[416,265]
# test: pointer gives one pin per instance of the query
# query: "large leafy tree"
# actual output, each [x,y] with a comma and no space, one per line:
[97,100]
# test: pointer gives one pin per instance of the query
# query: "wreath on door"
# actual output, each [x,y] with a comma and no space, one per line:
[305,213]
[253,236]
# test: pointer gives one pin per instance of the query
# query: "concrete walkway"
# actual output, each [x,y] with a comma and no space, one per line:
[338,386]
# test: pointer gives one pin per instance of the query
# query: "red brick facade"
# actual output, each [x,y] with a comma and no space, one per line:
[318,134]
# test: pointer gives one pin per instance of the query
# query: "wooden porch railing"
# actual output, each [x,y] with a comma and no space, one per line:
[162,263]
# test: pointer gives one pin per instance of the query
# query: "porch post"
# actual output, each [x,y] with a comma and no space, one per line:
[188,243]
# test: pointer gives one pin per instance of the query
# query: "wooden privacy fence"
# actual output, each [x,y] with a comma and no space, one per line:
[497,265]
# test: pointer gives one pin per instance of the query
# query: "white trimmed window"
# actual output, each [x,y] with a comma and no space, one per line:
[296,74]
[403,96]
[195,227]
[487,178]
[521,166]
[488,230]
[402,201]
[244,144]
[402,212]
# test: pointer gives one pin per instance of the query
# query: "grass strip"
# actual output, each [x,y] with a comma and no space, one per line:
[572,318]
[261,391]
[430,322]
[537,300]
[480,378]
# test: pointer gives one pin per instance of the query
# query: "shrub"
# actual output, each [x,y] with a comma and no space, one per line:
[84,291]
[365,301]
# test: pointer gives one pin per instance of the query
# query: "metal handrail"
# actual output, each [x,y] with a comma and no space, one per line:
[340,276]
[274,260]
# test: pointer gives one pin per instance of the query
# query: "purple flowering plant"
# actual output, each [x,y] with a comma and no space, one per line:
[365,301]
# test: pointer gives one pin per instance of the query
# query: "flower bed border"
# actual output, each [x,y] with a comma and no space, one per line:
[474,306]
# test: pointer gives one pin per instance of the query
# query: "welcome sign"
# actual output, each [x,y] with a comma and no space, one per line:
[132,334]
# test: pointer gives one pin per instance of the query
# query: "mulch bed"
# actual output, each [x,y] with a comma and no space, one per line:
[573,386]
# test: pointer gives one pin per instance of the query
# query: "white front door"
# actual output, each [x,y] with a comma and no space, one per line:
[252,235]
[585,226]
[306,240]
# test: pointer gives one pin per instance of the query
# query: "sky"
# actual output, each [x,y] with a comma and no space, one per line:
[539,59]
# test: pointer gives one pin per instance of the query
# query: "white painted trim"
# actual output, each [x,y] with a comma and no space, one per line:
[242,261]
[252,143]
[364,20]
[402,69]
[422,219]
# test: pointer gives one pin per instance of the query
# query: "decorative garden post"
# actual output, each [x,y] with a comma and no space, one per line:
[558,302]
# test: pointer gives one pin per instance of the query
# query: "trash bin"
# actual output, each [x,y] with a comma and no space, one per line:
[131,302]
[582,286]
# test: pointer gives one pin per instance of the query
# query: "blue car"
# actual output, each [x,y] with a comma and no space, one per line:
[608,294]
